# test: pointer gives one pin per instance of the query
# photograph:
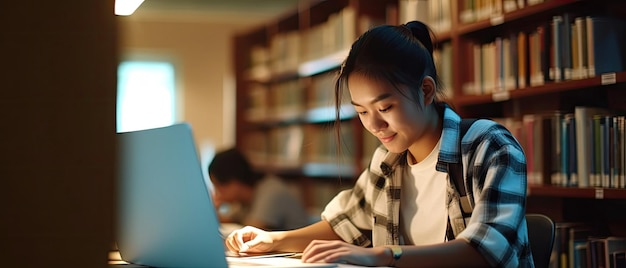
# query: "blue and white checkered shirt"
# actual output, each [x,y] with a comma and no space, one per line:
[495,179]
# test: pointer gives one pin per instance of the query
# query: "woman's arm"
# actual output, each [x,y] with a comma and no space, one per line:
[252,239]
[456,253]
[297,240]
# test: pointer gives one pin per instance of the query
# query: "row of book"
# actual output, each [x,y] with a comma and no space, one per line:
[312,148]
[289,100]
[476,10]
[578,245]
[581,148]
[281,101]
[442,56]
[435,13]
[288,50]
[563,48]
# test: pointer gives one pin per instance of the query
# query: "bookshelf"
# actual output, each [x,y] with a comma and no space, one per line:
[534,103]
[285,109]
[521,83]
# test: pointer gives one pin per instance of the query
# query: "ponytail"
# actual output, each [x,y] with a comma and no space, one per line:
[422,32]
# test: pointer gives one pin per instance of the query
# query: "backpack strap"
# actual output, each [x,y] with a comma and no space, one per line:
[455,171]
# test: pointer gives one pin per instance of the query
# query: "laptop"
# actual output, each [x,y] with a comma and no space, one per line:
[166,216]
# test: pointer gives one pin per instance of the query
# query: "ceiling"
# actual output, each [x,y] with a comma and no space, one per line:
[227,11]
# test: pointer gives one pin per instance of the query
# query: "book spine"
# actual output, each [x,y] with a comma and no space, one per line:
[606,151]
[591,69]
[573,153]
[582,145]
[566,47]
[614,152]
[581,40]
[556,67]
[622,152]
[596,155]
[564,179]
[546,49]
[522,52]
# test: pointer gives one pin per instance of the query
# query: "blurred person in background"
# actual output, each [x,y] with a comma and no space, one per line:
[244,197]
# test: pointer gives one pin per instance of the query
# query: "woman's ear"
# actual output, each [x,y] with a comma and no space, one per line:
[429,89]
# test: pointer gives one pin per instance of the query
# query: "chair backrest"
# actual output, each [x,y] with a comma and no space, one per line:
[541,238]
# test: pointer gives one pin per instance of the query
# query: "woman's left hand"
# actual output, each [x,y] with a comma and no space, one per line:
[335,251]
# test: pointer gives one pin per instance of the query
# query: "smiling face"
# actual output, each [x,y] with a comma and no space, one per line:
[397,121]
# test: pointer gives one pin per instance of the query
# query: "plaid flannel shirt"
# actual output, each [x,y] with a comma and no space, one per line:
[368,214]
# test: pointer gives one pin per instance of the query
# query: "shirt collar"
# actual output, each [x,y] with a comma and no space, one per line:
[450,151]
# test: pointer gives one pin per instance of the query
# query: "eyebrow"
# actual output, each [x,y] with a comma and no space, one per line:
[377,99]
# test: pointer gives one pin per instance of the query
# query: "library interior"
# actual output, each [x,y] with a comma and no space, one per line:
[259,76]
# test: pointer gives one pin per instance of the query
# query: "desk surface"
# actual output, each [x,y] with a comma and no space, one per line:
[115,261]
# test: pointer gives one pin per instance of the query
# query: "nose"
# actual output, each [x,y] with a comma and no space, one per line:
[375,123]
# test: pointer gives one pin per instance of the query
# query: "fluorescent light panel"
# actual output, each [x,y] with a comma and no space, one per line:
[126,7]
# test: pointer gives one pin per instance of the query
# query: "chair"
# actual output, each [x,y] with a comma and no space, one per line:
[541,238]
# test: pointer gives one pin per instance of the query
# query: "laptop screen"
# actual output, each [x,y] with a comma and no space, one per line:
[165,214]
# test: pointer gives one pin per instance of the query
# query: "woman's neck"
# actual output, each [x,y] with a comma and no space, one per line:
[432,133]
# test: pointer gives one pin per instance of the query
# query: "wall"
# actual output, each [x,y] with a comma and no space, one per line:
[57,147]
[201,51]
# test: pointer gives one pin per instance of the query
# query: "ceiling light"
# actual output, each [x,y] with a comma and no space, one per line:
[126,7]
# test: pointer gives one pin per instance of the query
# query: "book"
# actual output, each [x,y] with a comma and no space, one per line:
[618,259]
[522,60]
[601,249]
[414,10]
[595,251]
[568,169]
[564,178]
[563,248]
[621,173]
[578,236]
[572,170]
[566,47]
[595,173]
[542,146]
[581,41]
[580,257]
[545,42]
[556,68]
[530,145]
[607,37]
[583,118]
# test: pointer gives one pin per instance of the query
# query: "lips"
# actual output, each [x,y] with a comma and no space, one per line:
[387,138]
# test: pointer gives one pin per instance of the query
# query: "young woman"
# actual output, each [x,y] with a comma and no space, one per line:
[404,210]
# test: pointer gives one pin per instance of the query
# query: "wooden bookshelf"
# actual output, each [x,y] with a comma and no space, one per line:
[608,80]
[285,111]
[600,207]
[317,59]
[575,192]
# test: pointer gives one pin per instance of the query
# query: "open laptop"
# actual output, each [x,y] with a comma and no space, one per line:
[166,216]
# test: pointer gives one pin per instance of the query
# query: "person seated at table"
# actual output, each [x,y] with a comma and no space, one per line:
[262,200]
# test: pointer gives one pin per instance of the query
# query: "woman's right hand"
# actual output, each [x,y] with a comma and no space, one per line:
[250,239]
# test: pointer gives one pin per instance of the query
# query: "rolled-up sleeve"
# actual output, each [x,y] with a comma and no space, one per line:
[497,227]
[349,213]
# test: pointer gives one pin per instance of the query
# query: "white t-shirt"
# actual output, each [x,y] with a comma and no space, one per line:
[422,206]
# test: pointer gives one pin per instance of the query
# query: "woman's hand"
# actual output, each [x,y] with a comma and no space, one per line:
[250,239]
[336,251]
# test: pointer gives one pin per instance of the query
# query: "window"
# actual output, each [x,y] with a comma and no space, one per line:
[146,95]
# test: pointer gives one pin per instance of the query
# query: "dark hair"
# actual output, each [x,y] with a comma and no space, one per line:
[400,55]
[232,165]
